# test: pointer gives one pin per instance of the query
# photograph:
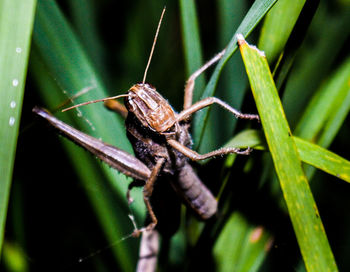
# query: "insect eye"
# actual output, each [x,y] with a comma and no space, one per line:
[170,130]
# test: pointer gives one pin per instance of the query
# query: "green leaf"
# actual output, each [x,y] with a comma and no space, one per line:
[16,23]
[191,42]
[283,32]
[327,34]
[302,208]
[85,22]
[233,81]
[193,53]
[248,138]
[241,246]
[250,21]
[327,110]
[325,104]
[66,61]
[323,159]
[277,27]
[15,260]
[309,153]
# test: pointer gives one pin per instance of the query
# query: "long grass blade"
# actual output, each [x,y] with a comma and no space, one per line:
[241,246]
[302,208]
[278,25]
[323,159]
[314,63]
[326,111]
[309,153]
[66,61]
[191,42]
[193,56]
[324,104]
[16,23]
[233,80]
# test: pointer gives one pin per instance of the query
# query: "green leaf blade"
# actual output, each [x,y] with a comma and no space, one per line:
[324,104]
[278,25]
[191,42]
[309,153]
[16,23]
[64,59]
[323,159]
[302,209]
[241,246]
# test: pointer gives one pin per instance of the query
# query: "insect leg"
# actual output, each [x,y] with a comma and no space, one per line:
[190,82]
[147,193]
[209,101]
[193,155]
[113,156]
[117,107]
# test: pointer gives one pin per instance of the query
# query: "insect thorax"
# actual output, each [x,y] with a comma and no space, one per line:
[149,145]
[150,108]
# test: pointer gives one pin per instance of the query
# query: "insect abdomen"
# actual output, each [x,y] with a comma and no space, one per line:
[195,193]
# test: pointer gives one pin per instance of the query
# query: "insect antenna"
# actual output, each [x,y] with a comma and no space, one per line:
[153,45]
[95,101]
[144,75]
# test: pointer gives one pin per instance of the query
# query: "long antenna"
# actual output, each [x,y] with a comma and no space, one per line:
[95,101]
[144,75]
[154,44]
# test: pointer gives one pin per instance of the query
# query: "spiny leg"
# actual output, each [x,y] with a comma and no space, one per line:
[209,101]
[147,193]
[193,155]
[190,82]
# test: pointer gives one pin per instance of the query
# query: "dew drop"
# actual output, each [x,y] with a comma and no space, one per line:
[19,50]
[12,121]
[15,82]
[13,104]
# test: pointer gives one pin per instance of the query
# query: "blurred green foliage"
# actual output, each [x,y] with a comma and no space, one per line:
[68,211]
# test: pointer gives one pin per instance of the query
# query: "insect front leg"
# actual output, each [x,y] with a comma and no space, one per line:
[190,82]
[189,109]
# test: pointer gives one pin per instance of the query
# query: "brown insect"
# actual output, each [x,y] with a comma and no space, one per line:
[161,142]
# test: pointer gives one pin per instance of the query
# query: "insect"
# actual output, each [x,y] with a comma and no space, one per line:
[161,141]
